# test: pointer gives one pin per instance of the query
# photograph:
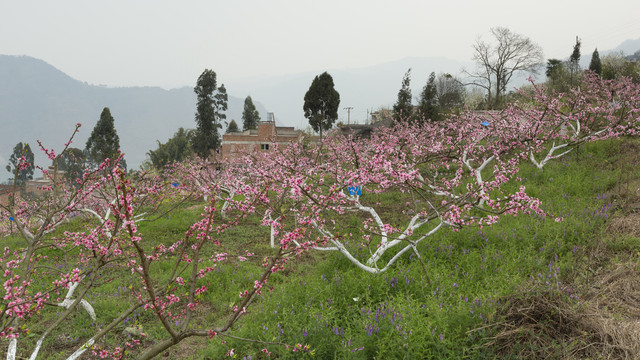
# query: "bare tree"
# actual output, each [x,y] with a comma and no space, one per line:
[498,61]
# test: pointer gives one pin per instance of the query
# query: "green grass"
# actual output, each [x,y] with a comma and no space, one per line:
[324,302]
[407,314]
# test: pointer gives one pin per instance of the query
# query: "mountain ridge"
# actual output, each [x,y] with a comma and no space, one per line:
[40,102]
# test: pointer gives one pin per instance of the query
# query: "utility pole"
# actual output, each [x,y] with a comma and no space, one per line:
[348,108]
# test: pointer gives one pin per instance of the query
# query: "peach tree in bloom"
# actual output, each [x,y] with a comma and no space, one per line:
[48,265]
[375,199]
[556,123]
[371,200]
[446,174]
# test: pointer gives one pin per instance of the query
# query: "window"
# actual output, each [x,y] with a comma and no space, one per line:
[264,146]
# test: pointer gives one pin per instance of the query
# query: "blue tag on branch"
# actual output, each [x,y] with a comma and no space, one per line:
[11,218]
[175,184]
[355,190]
[484,123]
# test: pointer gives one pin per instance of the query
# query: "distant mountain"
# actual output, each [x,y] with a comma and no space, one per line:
[38,101]
[628,47]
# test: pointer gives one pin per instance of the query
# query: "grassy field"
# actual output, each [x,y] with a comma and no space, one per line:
[516,289]
[458,308]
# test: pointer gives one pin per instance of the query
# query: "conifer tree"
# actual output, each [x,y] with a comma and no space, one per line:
[428,105]
[250,115]
[595,65]
[212,102]
[574,60]
[104,142]
[402,110]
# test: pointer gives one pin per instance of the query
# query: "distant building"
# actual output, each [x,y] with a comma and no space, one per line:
[38,186]
[5,192]
[364,130]
[237,144]
[34,187]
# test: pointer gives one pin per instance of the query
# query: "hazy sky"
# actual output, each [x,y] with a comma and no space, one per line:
[169,43]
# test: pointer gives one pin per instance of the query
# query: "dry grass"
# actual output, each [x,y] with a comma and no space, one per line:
[605,324]
[625,225]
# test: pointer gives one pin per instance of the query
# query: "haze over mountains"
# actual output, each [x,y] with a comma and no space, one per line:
[38,101]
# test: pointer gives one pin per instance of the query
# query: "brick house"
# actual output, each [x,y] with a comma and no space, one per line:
[237,144]
[5,192]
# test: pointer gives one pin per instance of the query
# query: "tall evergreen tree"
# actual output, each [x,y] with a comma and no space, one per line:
[220,103]
[321,103]
[595,65]
[250,115]
[402,110]
[428,105]
[26,173]
[212,102]
[104,141]
[574,60]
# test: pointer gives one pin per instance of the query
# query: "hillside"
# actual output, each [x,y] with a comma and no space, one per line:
[38,101]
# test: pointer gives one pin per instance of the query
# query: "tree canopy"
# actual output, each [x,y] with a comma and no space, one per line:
[595,65]
[250,115]
[177,148]
[104,142]
[211,105]
[428,105]
[72,162]
[451,92]
[21,160]
[498,61]
[402,109]
[321,103]
[233,127]
[574,61]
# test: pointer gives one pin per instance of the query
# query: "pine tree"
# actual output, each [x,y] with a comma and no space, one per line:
[428,105]
[321,103]
[26,173]
[220,104]
[212,102]
[250,115]
[403,109]
[104,142]
[595,65]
